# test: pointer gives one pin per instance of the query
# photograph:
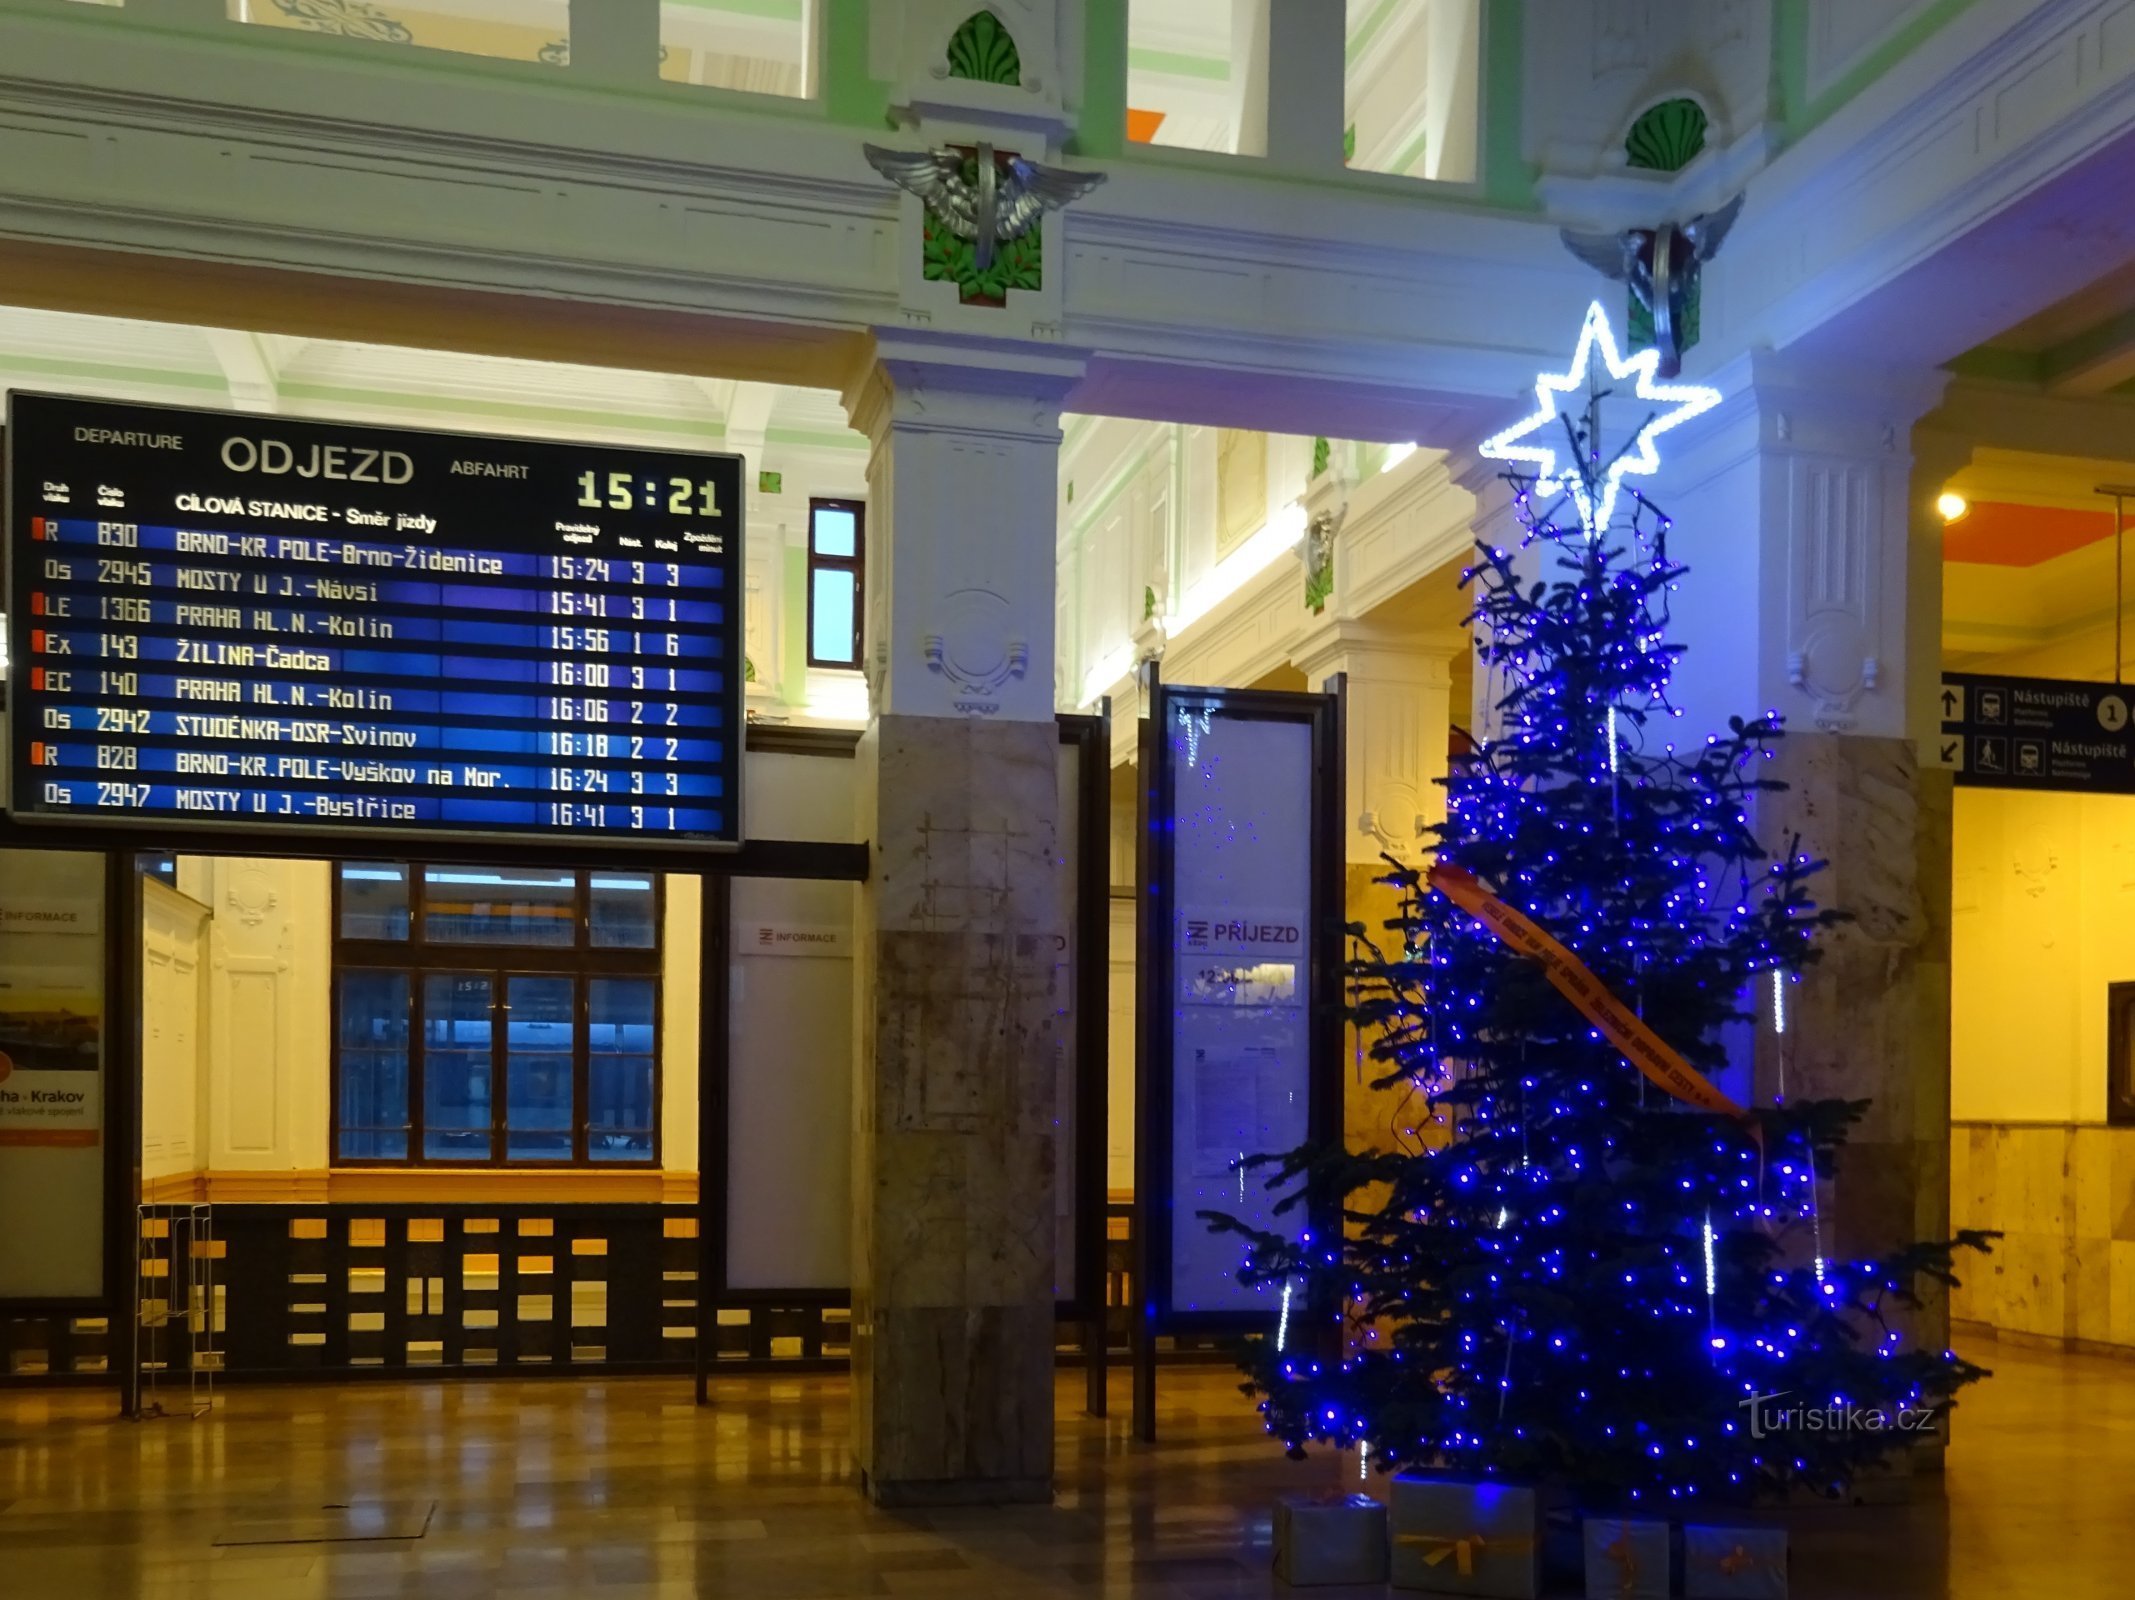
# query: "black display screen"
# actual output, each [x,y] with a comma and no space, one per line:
[258,622]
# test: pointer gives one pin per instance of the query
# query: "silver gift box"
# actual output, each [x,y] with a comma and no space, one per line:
[1330,1539]
[1466,1536]
[1724,1563]
[1626,1558]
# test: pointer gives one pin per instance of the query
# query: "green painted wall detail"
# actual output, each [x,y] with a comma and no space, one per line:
[1322,453]
[770,483]
[1667,137]
[1148,602]
[1017,264]
[984,51]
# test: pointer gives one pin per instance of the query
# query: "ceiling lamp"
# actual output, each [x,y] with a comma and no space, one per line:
[1952,505]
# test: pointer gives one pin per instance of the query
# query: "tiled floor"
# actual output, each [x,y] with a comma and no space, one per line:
[622,1489]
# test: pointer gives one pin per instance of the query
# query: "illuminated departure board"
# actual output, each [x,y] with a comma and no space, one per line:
[262,622]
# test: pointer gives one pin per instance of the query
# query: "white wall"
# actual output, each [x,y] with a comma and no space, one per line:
[268,1011]
[789,1098]
[174,974]
[2042,920]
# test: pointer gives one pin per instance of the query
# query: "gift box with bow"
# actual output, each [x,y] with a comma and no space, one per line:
[1722,1563]
[1335,1538]
[1626,1558]
[1466,1536]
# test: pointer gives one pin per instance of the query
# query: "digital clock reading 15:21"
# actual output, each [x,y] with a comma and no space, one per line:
[622,491]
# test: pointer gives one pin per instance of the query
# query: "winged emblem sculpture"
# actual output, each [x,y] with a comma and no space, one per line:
[1660,264]
[980,194]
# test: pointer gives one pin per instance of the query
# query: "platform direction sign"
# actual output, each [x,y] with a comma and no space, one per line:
[2036,733]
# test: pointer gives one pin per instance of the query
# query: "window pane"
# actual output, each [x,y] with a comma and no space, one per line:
[757,45]
[540,1042]
[374,901]
[523,30]
[456,1067]
[621,1044]
[374,1066]
[831,618]
[1410,90]
[500,905]
[834,530]
[622,908]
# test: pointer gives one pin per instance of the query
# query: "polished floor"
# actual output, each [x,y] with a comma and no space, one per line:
[622,1489]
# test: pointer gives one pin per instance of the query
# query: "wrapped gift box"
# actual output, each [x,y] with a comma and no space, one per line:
[1466,1536]
[1330,1539]
[1725,1563]
[1626,1558]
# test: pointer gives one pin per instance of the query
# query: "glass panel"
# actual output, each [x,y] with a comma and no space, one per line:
[757,45]
[623,906]
[500,905]
[539,1041]
[830,622]
[456,1067]
[1409,95]
[527,30]
[374,900]
[621,1044]
[834,529]
[374,1066]
[1185,59]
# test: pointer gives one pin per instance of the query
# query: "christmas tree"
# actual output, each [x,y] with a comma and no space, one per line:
[1584,1266]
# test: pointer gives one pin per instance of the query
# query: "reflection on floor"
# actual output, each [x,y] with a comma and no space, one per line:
[622,1489]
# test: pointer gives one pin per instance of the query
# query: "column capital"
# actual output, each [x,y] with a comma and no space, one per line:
[999,389]
[1371,652]
[1803,404]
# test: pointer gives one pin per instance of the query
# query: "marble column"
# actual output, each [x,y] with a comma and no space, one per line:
[953,1146]
[1399,686]
[1803,513]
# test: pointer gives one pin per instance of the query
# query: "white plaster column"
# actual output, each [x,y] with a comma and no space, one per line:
[1306,70]
[1398,705]
[959,924]
[616,40]
[1791,503]
[1814,592]
[1399,722]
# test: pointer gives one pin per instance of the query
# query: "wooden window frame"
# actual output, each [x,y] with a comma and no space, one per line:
[581,962]
[856,564]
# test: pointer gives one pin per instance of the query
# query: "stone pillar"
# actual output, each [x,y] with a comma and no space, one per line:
[617,41]
[1306,68]
[953,1142]
[1801,515]
[1399,721]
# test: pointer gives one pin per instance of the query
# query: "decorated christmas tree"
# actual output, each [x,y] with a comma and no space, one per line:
[1584,1265]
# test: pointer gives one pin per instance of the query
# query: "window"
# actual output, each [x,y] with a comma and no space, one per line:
[1192,79]
[2120,1053]
[1410,82]
[520,30]
[495,1015]
[763,46]
[837,549]
[1241,487]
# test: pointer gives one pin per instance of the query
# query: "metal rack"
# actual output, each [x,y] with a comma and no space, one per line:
[179,1326]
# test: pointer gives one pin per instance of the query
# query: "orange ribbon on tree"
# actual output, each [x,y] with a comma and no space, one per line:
[1619,1024]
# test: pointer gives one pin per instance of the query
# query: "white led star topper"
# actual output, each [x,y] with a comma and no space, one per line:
[1594,491]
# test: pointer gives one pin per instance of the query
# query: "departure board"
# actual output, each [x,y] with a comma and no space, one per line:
[261,622]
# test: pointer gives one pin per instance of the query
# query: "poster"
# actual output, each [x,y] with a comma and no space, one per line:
[1242,836]
[52,1056]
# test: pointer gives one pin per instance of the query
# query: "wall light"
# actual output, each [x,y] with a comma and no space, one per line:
[1952,505]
